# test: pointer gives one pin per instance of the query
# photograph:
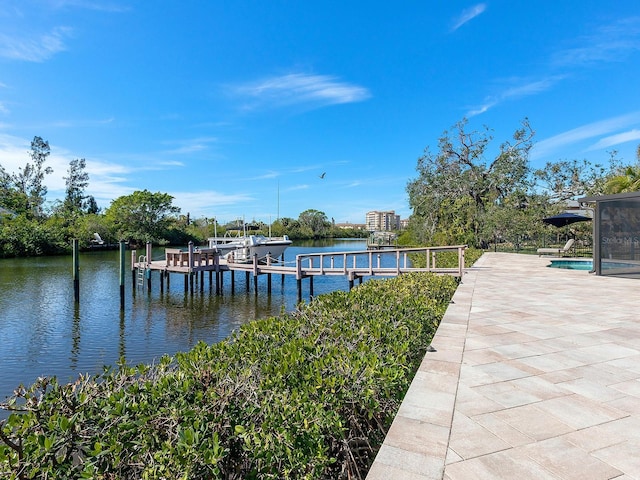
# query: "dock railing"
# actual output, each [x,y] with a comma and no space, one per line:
[380,262]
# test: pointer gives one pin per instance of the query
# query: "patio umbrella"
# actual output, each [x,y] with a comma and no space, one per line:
[564,219]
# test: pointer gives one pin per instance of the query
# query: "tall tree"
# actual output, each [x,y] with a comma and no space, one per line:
[142,216]
[314,221]
[29,181]
[76,181]
[455,186]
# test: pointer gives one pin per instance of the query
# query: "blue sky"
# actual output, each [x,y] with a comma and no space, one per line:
[237,108]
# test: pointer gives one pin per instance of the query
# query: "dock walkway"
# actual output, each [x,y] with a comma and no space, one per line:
[353,265]
[536,375]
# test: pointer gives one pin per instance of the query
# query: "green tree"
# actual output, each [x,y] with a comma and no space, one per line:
[627,181]
[142,216]
[76,181]
[315,222]
[456,186]
[24,192]
[29,181]
[570,179]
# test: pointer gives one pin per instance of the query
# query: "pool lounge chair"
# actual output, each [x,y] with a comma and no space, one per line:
[557,251]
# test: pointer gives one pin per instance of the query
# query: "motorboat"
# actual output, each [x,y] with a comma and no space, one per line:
[242,248]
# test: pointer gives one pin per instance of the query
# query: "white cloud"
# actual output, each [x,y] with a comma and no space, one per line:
[607,126]
[208,203]
[191,145]
[468,14]
[616,139]
[523,89]
[101,6]
[298,88]
[609,43]
[35,49]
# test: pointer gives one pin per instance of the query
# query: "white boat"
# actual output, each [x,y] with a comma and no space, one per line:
[242,248]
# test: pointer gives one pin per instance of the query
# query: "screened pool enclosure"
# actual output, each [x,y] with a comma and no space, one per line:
[616,233]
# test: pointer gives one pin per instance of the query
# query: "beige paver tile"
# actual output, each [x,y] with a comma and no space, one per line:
[566,460]
[430,365]
[579,412]
[380,471]
[596,437]
[469,439]
[510,464]
[503,430]
[418,437]
[471,403]
[623,456]
[402,463]
[533,422]
[630,387]
[506,394]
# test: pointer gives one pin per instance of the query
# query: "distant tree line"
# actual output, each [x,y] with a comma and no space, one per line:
[464,193]
[28,228]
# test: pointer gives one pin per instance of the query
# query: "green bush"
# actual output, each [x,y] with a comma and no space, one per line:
[306,395]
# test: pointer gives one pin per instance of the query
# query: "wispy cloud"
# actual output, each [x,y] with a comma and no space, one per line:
[299,88]
[34,49]
[192,145]
[590,131]
[467,15]
[208,203]
[97,5]
[617,139]
[609,43]
[518,89]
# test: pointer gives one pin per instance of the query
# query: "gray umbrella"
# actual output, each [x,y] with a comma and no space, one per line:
[564,219]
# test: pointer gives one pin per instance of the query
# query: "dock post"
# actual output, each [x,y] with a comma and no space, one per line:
[133,271]
[255,273]
[282,279]
[122,248]
[299,282]
[246,279]
[233,282]
[76,271]
[268,284]
[148,263]
[191,272]
[161,281]
[311,286]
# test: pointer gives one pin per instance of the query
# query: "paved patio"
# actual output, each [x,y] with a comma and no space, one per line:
[536,376]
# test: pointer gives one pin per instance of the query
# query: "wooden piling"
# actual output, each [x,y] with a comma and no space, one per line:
[76,271]
[122,267]
[147,271]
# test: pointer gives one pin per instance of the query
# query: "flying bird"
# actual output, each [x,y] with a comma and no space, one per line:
[323,174]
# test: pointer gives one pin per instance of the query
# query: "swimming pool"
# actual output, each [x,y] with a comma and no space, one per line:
[572,264]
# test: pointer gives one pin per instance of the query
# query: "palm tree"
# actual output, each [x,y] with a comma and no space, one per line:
[629,181]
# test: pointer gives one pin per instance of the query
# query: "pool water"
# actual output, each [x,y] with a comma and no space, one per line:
[572,264]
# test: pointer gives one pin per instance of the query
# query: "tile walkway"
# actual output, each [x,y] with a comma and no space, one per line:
[536,376]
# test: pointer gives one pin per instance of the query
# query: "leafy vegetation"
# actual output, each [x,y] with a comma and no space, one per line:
[467,193]
[306,395]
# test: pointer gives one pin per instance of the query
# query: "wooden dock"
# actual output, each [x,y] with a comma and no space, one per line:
[194,262]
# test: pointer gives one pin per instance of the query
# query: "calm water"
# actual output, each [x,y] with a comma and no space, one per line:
[43,332]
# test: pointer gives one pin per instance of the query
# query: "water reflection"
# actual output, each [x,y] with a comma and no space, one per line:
[43,331]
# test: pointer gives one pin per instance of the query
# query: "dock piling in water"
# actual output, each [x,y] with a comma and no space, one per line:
[76,271]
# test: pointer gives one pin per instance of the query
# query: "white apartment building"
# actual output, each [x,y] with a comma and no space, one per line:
[382,221]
